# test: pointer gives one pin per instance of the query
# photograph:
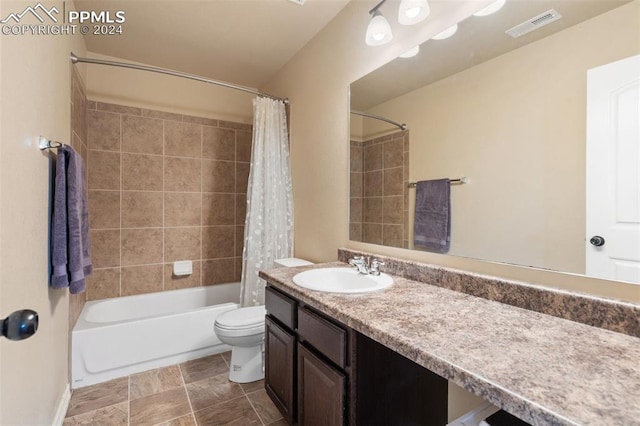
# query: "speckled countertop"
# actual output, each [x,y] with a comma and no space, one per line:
[543,369]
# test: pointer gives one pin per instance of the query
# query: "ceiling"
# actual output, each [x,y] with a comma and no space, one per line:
[240,41]
[477,40]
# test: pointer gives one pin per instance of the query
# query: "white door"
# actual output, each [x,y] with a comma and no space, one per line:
[613,171]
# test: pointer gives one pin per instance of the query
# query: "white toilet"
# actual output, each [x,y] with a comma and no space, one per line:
[243,330]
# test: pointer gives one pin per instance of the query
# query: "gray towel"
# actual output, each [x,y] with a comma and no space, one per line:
[71,246]
[432,222]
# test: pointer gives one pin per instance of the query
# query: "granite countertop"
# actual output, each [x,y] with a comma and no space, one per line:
[543,369]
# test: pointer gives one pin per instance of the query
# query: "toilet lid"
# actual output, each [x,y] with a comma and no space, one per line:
[242,317]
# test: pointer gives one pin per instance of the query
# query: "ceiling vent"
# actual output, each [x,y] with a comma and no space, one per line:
[534,23]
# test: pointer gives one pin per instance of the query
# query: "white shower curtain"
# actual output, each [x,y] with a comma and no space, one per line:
[268,232]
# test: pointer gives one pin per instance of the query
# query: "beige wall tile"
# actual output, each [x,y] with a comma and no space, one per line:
[167,116]
[121,109]
[219,271]
[105,248]
[218,144]
[172,282]
[236,126]
[182,244]
[392,235]
[104,209]
[392,153]
[141,246]
[241,208]
[243,146]
[355,210]
[182,139]
[372,182]
[239,240]
[103,284]
[355,159]
[356,184]
[182,174]
[141,209]
[141,135]
[104,170]
[355,231]
[218,209]
[242,177]
[392,210]
[372,233]
[142,172]
[372,157]
[103,130]
[200,120]
[372,210]
[218,241]
[182,209]
[393,181]
[141,279]
[218,176]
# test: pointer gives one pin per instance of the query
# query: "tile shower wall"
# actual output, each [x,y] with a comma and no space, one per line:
[78,140]
[379,199]
[164,187]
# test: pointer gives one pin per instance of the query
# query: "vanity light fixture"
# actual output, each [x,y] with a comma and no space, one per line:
[379,30]
[413,11]
[492,8]
[446,33]
[410,53]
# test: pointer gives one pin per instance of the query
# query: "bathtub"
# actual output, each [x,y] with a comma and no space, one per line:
[126,335]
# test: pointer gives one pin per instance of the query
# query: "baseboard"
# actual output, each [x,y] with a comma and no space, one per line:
[63,405]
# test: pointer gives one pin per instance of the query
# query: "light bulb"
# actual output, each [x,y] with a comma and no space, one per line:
[411,52]
[446,33]
[492,8]
[411,12]
[378,31]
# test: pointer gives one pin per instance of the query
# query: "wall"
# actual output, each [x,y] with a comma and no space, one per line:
[164,187]
[35,98]
[316,81]
[522,143]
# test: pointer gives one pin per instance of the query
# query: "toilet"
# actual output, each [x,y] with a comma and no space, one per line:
[243,330]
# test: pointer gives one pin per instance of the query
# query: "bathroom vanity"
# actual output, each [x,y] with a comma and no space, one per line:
[389,353]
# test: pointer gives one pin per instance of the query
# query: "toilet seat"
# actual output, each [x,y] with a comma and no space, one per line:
[242,321]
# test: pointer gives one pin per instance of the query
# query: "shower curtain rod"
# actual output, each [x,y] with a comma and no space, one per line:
[377,117]
[75,59]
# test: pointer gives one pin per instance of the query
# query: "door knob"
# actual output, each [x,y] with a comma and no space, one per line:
[20,324]
[597,241]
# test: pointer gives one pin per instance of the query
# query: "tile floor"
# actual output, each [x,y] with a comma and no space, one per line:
[192,393]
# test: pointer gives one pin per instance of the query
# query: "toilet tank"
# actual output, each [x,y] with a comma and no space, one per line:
[290,262]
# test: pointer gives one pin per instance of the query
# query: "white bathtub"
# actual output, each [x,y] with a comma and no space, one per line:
[126,335]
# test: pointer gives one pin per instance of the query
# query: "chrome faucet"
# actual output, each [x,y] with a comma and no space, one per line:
[365,267]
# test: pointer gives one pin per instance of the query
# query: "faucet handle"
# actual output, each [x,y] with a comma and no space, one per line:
[374,269]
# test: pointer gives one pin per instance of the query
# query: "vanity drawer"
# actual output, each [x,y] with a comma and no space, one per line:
[281,307]
[325,336]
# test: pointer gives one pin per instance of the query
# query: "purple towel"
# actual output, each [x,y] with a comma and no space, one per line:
[71,247]
[432,221]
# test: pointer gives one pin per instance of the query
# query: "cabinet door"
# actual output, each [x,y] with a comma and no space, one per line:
[279,368]
[321,391]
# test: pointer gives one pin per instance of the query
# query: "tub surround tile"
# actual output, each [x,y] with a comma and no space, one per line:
[211,391]
[155,381]
[355,232]
[182,139]
[355,155]
[356,184]
[181,244]
[392,153]
[243,146]
[372,210]
[105,248]
[545,370]
[103,131]
[182,174]
[218,242]
[219,271]
[373,157]
[103,284]
[215,209]
[164,115]
[142,172]
[236,411]
[235,126]
[142,135]
[241,209]
[114,415]
[120,109]
[239,240]
[218,144]
[393,180]
[203,368]
[141,279]
[372,233]
[141,246]
[200,120]
[182,208]
[242,177]
[172,282]
[159,407]
[373,183]
[98,396]
[392,210]
[141,209]
[104,170]
[218,176]
[104,209]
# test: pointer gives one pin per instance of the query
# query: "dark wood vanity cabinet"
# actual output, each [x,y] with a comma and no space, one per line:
[321,372]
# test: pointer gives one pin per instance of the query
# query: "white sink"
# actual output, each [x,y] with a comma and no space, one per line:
[341,280]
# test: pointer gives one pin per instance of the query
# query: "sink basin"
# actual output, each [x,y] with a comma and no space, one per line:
[341,280]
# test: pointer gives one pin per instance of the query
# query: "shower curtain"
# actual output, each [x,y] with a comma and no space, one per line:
[268,232]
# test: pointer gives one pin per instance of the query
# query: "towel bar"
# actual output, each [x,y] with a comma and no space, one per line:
[45,143]
[461,181]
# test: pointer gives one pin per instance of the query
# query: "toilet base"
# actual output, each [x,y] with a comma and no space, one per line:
[246,364]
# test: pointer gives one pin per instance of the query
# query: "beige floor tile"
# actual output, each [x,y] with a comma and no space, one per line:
[235,412]
[280,422]
[113,415]
[253,386]
[227,357]
[98,396]
[158,408]
[213,390]
[155,381]
[203,368]
[188,420]
[264,407]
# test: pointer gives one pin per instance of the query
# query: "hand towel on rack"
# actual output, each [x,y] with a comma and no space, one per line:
[432,221]
[71,246]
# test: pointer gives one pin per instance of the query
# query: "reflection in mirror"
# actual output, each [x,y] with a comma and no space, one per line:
[510,114]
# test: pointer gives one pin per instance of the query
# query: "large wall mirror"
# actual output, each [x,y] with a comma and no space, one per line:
[510,114]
